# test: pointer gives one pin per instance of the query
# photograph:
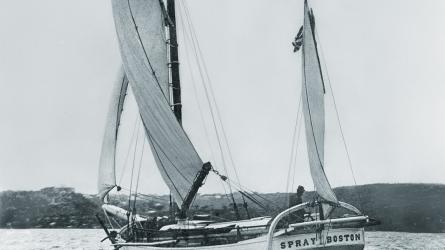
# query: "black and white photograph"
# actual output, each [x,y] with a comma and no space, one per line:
[222,124]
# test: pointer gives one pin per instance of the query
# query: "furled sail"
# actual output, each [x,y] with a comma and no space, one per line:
[107,174]
[140,30]
[313,109]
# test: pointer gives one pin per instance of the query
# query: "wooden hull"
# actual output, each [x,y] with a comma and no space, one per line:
[332,239]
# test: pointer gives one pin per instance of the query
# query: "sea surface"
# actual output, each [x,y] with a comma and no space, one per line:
[89,239]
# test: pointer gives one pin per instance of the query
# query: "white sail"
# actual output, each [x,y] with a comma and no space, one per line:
[313,109]
[107,174]
[140,30]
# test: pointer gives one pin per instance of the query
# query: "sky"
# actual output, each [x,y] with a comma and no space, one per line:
[385,61]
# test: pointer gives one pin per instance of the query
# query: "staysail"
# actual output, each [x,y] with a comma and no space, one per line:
[313,108]
[143,47]
[107,173]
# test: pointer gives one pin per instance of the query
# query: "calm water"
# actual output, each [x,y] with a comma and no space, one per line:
[88,239]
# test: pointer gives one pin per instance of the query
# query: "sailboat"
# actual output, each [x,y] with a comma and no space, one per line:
[146,31]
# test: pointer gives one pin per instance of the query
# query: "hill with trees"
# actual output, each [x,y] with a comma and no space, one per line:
[400,207]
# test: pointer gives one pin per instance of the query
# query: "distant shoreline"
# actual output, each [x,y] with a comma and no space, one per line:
[400,207]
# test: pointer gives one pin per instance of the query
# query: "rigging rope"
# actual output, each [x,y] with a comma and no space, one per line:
[293,160]
[139,175]
[132,169]
[156,153]
[201,70]
[206,132]
[338,121]
[241,188]
[212,93]
[209,98]
[128,151]
[221,136]
[244,192]
[255,201]
[294,147]
[148,195]
[153,72]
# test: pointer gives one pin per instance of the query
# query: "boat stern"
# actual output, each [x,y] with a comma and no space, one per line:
[345,238]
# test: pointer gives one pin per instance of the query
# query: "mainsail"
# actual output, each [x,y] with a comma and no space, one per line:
[313,109]
[143,47]
[107,173]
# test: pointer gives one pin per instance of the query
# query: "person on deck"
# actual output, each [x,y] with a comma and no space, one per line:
[296,199]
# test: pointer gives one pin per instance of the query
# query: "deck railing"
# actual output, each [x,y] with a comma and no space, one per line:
[293,209]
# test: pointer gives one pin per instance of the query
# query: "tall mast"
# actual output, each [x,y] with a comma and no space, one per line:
[174,61]
[177,106]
